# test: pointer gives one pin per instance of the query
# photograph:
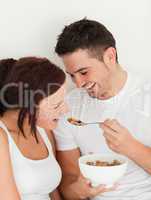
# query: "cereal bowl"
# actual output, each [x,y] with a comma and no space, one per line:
[103,169]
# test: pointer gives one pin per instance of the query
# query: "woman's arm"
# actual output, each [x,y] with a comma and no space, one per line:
[8,189]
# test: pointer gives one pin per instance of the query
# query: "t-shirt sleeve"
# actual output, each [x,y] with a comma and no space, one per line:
[64,135]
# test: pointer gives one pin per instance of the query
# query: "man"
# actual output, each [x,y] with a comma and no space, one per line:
[108,94]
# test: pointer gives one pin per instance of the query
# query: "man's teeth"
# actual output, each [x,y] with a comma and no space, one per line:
[90,85]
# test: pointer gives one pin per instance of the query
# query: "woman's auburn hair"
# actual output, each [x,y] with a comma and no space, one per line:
[33,74]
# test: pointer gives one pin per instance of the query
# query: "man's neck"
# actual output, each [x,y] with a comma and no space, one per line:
[118,81]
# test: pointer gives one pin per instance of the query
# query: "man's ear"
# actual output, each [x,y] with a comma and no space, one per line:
[109,56]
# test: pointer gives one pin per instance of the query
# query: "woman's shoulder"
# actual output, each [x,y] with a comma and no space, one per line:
[3,137]
[4,145]
[4,148]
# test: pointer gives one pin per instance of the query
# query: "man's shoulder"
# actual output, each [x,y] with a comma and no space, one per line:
[140,95]
[139,84]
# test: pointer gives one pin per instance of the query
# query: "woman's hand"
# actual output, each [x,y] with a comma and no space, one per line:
[118,138]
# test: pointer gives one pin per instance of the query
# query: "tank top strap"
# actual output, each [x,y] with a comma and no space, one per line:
[44,136]
[3,126]
[41,132]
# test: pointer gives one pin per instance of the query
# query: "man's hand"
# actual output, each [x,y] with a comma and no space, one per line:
[82,189]
[118,137]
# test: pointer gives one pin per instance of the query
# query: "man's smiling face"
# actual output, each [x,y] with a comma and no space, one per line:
[88,72]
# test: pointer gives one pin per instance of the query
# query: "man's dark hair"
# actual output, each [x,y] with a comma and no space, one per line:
[34,74]
[85,34]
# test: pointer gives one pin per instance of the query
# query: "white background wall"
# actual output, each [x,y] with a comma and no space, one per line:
[30,27]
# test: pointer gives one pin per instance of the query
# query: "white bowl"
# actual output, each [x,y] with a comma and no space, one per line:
[108,175]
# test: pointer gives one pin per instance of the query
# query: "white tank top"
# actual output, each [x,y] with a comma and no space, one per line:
[35,179]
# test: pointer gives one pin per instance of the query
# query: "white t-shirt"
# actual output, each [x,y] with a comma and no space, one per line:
[132,108]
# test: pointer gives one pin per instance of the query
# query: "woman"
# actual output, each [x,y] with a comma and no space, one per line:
[31,101]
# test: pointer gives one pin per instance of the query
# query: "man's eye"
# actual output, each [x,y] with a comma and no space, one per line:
[56,107]
[84,73]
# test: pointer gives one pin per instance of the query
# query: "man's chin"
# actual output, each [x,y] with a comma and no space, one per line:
[104,97]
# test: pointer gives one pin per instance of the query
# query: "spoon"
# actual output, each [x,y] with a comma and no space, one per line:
[79,122]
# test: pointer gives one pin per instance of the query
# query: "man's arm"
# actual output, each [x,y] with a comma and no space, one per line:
[55,195]
[68,161]
[120,140]
[141,155]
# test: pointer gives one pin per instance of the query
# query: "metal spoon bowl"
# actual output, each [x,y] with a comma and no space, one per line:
[79,122]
